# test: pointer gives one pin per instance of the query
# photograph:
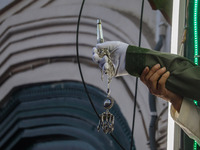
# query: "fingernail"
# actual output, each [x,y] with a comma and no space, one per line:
[167,74]
[146,68]
[157,65]
[164,68]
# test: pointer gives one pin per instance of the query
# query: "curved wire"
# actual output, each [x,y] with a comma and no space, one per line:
[79,64]
[136,84]
[80,70]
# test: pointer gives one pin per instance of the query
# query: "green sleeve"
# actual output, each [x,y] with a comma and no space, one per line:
[184,74]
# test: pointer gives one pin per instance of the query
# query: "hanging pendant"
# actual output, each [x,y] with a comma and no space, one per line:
[106,122]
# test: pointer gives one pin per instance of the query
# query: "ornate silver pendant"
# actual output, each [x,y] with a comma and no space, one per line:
[106,122]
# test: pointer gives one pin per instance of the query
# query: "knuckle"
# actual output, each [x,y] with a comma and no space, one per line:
[153,69]
[161,71]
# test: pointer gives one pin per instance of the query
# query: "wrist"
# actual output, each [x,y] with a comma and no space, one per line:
[176,102]
[121,70]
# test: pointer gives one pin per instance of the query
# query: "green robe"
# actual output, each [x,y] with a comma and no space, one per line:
[184,74]
[165,6]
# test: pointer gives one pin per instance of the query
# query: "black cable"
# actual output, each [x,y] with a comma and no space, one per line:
[79,64]
[80,70]
[117,141]
[136,84]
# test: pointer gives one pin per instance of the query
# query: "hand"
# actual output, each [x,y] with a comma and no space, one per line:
[155,79]
[117,53]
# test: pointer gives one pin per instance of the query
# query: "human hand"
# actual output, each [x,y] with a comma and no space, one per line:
[117,52]
[155,79]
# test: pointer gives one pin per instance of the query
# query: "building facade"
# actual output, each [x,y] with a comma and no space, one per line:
[42,100]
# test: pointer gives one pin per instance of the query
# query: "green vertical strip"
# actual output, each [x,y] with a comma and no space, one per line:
[192,52]
[195,145]
[195,32]
[196,53]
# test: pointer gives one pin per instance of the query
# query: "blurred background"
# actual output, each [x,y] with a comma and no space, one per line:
[43,104]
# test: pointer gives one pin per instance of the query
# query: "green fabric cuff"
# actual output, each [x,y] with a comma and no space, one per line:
[184,74]
[135,59]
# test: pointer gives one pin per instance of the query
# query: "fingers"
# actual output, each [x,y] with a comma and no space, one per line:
[95,56]
[163,79]
[152,71]
[106,67]
[102,62]
[143,75]
[155,79]
[146,74]
[114,62]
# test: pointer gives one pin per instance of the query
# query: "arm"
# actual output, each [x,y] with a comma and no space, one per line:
[155,79]
[184,75]
[183,78]
[184,112]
